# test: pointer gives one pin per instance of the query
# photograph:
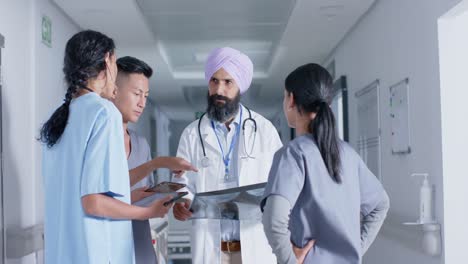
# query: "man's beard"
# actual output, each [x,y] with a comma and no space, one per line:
[222,112]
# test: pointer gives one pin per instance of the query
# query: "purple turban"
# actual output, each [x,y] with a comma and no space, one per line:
[234,62]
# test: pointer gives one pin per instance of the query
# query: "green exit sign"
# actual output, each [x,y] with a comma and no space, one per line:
[47,31]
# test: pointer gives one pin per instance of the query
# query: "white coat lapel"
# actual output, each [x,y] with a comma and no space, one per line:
[209,138]
[245,163]
[213,152]
[250,141]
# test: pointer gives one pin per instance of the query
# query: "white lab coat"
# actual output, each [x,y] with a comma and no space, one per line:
[206,234]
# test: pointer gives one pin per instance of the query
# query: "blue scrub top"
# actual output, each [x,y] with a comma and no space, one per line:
[89,158]
[323,210]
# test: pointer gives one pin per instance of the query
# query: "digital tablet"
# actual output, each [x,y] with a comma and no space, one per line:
[166,187]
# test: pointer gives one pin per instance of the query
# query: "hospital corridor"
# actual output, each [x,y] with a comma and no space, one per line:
[233,131]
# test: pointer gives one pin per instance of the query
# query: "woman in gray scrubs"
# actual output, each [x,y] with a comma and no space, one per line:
[321,204]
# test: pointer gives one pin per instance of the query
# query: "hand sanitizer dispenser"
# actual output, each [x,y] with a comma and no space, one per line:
[426,214]
[431,239]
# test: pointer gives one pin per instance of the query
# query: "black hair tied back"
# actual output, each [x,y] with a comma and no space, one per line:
[85,58]
[311,87]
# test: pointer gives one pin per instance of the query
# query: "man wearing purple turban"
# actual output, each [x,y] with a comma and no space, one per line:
[232,146]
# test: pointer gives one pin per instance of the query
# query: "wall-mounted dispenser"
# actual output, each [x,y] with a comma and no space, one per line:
[431,240]
[426,205]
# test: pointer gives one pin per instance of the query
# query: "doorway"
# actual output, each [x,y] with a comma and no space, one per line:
[453,55]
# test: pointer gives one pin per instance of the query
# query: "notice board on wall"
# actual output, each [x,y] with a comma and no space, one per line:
[399,117]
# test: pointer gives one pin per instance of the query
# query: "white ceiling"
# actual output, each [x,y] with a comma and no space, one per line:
[254,27]
[175,36]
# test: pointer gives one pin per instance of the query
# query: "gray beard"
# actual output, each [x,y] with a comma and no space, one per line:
[222,113]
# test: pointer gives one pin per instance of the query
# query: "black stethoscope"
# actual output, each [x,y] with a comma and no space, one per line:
[205,162]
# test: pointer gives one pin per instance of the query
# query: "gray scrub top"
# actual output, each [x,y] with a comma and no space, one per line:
[139,154]
[323,210]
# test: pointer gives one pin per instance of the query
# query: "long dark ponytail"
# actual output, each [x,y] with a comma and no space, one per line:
[311,88]
[85,58]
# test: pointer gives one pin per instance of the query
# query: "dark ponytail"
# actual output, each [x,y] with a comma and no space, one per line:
[85,58]
[311,88]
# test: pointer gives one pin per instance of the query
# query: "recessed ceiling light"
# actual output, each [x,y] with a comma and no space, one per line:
[200,57]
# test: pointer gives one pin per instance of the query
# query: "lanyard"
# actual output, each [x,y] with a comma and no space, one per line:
[226,158]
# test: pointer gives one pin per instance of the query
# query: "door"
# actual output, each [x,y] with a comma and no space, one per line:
[369,145]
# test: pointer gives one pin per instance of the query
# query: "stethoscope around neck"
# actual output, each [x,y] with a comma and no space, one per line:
[205,162]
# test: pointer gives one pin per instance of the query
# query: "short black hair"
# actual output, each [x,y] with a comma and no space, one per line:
[131,65]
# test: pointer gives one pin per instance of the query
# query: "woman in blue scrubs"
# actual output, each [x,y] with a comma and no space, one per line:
[322,204]
[86,180]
